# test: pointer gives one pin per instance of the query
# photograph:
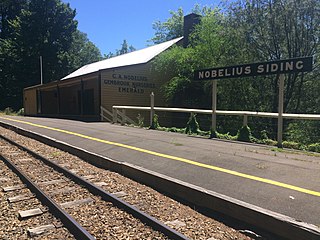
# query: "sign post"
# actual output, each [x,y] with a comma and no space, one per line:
[302,64]
[280,110]
[214,106]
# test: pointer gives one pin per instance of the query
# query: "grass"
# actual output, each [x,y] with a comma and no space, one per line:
[11,112]
[311,150]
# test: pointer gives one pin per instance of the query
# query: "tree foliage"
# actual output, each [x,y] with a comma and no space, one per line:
[125,48]
[170,29]
[30,29]
[246,32]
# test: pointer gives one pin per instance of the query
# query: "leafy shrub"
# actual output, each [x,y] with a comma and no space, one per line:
[155,123]
[213,133]
[269,142]
[305,132]
[226,136]
[177,130]
[140,120]
[264,135]
[8,111]
[21,112]
[292,145]
[192,124]
[204,133]
[244,134]
[315,147]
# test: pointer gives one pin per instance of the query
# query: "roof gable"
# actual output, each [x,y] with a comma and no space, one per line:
[132,58]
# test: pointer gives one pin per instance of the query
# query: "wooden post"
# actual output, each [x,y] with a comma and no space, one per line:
[81,98]
[41,74]
[151,109]
[115,114]
[123,119]
[280,110]
[245,120]
[58,99]
[214,106]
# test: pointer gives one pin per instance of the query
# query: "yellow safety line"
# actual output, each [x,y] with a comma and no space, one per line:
[203,165]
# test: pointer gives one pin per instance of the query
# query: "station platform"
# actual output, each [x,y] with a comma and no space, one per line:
[286,182]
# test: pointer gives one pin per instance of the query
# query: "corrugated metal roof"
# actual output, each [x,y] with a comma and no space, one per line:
[136,57]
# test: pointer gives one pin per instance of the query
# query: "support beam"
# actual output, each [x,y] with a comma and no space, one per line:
[280,110]
[151,109]
[81,97]
[214,106]
[245,120]
[123,117]
[58,99]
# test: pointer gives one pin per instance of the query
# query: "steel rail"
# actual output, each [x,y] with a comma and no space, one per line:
[72,225]
[145,218]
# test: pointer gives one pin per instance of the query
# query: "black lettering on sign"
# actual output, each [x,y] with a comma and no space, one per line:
[129,77]
[303,64]
[116,82]
[130,90]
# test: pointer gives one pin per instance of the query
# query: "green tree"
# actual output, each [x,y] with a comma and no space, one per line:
[44,29]
[82,52]
[170,29]
[9,9]
[173,26]
[206,49]
[270,30]
[245,32]
[125,48]
[30,29]
[278,30]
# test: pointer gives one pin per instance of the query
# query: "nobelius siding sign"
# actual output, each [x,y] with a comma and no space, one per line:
[303,64]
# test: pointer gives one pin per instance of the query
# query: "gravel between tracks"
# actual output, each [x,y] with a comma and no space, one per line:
[176,215]
[11,227]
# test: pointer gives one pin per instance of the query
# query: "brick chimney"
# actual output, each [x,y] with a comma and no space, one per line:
[189,23]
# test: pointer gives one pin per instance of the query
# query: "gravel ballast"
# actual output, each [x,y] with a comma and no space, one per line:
[174,214]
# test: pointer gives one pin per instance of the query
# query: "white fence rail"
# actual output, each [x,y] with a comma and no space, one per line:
[119,114]
[222,112]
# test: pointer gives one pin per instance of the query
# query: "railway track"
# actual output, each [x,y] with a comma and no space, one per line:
[182,218]
[82,205]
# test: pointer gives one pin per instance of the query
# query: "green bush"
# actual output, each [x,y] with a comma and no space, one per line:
[269,142]
[192,125]
[177,130]
[204,133]
[155,123]
[8,111]
[21,112]
[315,147]
[303,131]
[226,136]
[292,145]
[264,135]
[213,133]
[244,134]
[140,120]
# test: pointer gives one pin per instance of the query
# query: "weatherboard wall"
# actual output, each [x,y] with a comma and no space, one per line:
[30,101]
[83,95]
[131,86]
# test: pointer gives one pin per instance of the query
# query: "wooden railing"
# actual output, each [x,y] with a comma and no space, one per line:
[245,114]
[121,111]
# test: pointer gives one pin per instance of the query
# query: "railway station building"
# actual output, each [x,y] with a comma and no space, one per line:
[127,79]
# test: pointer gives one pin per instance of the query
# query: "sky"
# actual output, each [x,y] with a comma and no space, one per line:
[108,22]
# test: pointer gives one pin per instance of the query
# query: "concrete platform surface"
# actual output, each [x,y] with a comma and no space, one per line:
[287,182]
